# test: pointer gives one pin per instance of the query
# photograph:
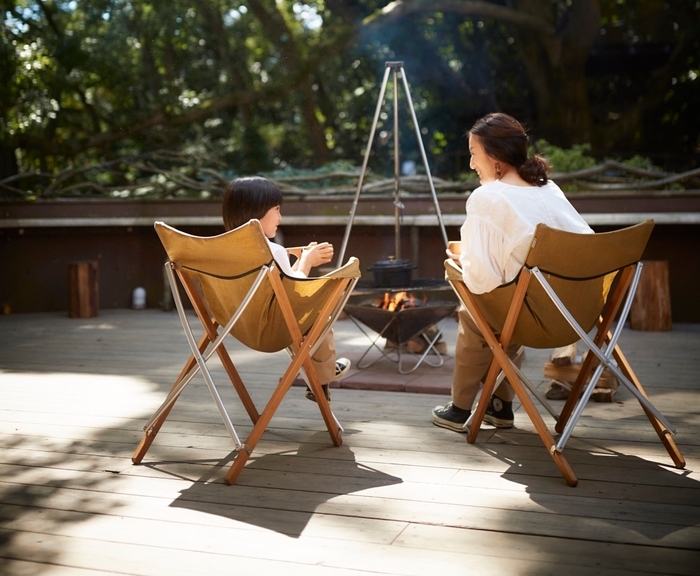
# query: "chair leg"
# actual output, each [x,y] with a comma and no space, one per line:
[604,324]
[234,377]
[256,433]
[323,405]
[151,433]
[238,385]
[577,388]
[478,416]
[239,463]
[661,430]
[497,345]
[146,441]
[268,412]
[543,432]
[519,388]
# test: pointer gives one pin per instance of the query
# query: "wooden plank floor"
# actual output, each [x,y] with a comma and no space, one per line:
[399,497]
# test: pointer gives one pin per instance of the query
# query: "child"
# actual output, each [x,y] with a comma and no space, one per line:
[255,197]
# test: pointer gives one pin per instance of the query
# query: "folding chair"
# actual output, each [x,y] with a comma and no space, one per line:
[581,282]
[236,288]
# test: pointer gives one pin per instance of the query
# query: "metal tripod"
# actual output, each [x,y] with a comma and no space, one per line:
[396,68]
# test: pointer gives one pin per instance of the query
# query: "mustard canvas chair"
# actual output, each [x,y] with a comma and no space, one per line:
[571,284]
[236,288]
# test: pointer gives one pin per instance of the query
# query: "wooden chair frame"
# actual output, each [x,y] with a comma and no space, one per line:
[605,351]
[300,349]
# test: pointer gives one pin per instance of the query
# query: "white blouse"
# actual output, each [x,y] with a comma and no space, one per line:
[500,224]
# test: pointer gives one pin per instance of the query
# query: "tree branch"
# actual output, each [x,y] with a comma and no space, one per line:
[402,8]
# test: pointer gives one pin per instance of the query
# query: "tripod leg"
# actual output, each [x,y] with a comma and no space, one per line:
[424,157]
[348,227]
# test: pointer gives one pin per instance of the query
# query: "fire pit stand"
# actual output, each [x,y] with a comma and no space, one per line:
[401,326]
[398,354]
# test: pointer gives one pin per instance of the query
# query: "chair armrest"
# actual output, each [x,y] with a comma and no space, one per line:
[295,251]
[351,269]
[453,270]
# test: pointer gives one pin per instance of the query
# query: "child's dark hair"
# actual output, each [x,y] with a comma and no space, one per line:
[505,139]
[247,198]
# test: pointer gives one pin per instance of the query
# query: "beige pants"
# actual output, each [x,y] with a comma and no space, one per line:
[472,360]
[324,359]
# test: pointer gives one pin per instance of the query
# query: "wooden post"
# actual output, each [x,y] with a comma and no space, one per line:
[83,290]
[651,307]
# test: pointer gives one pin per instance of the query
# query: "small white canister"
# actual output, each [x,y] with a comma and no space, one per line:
[138,298]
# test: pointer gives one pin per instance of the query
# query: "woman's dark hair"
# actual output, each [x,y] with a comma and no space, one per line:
[247,198]
[505,139]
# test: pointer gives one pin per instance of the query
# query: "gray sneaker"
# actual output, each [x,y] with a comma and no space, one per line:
[499,413]
[310,395]
[451,417]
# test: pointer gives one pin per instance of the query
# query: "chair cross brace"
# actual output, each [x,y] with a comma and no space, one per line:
[604,357]
[203,357]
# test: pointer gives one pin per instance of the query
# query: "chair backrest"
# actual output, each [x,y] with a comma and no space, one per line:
[224,269]
[581,268]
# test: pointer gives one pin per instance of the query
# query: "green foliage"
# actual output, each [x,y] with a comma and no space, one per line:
[638,161]
[331,175]
[565,160]
[268,85]
[470,176]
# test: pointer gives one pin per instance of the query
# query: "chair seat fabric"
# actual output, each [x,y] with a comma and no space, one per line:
[225,279]
[569,285]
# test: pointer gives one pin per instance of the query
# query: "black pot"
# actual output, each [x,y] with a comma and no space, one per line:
[392,273]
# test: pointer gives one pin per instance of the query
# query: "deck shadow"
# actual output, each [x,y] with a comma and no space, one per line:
[283,491]
[650,498]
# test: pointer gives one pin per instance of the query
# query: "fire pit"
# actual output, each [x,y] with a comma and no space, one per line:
[400,316]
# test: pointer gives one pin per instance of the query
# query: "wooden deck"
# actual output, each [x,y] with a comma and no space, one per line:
[399,497]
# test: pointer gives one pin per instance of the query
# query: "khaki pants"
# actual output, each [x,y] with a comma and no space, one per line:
[324,359]
[472,360]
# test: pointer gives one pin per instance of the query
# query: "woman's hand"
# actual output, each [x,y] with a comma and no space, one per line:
[453,250]
[313,255]
[451,254]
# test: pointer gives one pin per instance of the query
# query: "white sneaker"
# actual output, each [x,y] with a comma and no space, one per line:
[342,365]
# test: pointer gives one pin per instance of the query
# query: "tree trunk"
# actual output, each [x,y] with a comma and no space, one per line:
[8,162]
[556,68]
[283,38]
[554,48]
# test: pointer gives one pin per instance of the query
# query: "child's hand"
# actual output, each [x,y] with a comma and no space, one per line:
[316,254]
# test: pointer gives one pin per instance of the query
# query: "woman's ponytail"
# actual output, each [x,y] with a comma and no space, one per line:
[535,170]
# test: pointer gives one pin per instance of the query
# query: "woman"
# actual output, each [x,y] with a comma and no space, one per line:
[514,197]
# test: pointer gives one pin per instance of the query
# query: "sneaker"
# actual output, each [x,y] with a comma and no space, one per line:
[451,417]
[326,391]
[342,365]
[499,413]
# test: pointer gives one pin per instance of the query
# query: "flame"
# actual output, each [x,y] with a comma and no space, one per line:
[398,301]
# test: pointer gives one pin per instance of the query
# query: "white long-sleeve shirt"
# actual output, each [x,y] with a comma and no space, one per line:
[500,224]
[279,253]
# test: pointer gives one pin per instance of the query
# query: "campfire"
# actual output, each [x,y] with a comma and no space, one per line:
[399,301]
[407,323]
[400,316]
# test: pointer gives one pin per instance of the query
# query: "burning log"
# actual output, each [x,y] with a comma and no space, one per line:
[399,301]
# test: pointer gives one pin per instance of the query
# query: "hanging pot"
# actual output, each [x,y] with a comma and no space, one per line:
[392,273]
